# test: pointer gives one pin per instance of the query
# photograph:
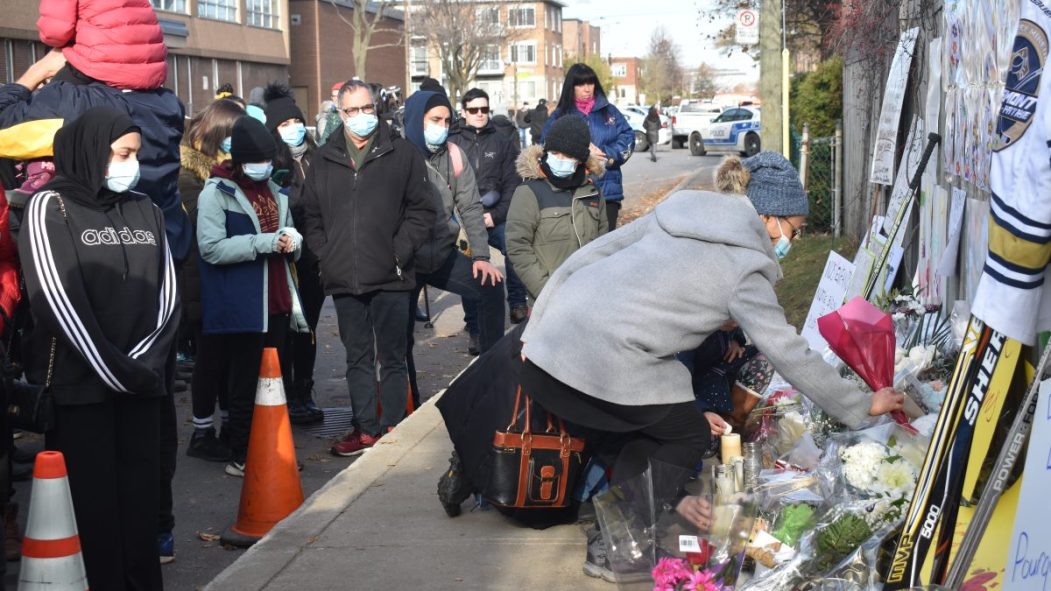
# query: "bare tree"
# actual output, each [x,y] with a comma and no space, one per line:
[662,76]
[464,34]
[364,22]
[704,85]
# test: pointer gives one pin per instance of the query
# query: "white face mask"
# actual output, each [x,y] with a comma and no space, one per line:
[258,171]
[122,177]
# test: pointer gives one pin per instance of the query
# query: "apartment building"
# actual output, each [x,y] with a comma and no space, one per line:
[627,80]
[581,39]
[323,50]
[210,43]
[528,66]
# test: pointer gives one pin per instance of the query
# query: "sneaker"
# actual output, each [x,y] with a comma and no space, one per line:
[519,314]
[302,410]
[166,547]
[472,344]
[206,446]
[236,468]
[597,564]
[356,443]
[452,488]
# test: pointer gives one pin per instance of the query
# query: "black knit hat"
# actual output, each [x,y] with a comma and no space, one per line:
[571,136]
[251,142]
[431,85]
[280,106]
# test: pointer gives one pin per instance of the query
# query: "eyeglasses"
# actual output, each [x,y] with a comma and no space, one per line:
[475,110]
[796,232]
[369,109]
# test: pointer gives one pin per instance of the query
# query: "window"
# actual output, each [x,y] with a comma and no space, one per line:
[488,16]
[523,53]
[224,10]
[558,56]
[522,17]
[419,58]
[558,21]
[527,90]
[619,70]
[170,5]
[490,60]
[262,13]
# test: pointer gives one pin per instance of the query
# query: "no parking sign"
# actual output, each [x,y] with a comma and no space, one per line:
[747,27]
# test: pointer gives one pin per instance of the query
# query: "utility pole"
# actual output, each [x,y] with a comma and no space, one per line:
[407,11]
[771,78]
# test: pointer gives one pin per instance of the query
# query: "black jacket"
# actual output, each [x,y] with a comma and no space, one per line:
[536,119]
[492,156]
[364,225]
[107,297]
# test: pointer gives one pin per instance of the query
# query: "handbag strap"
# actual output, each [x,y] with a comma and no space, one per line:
[527,428]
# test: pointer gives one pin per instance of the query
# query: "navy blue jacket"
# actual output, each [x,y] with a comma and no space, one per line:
[612,133]
[159,115]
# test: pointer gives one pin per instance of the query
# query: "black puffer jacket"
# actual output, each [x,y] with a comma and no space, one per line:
[364,225]
[492,156]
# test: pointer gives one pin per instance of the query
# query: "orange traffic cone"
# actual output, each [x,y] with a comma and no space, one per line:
[271,488]
[409,406]
[51,557]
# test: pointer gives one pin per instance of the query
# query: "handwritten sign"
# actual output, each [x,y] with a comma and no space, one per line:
[1029,557]
[835,280]
[890,115]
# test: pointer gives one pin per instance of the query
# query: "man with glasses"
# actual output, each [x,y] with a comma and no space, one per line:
[492,155]
[367,209]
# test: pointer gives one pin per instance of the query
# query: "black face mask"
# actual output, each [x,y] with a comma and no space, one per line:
[568,183]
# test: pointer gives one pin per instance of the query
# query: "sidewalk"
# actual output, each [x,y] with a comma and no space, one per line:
[378,525]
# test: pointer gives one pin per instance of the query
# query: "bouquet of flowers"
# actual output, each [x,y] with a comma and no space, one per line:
[676,574]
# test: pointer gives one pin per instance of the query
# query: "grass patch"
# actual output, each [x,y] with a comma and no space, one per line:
[802,269]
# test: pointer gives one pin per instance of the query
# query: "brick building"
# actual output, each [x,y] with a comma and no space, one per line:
[627,80]
[581,39]
[322,50]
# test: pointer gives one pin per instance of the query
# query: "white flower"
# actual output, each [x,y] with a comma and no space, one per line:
[897,479]
[922,356]
[861,463]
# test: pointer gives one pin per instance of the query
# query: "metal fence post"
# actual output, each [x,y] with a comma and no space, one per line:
[804,153]
[837,171]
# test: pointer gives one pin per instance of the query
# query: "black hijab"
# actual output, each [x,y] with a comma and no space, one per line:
[82,153]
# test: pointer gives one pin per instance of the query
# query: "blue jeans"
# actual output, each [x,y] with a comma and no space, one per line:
[516,293]
[523,136]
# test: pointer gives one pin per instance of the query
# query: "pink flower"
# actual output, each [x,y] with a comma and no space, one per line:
[669,572]
[702,580]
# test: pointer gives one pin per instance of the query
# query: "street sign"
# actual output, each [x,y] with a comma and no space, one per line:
[747,27]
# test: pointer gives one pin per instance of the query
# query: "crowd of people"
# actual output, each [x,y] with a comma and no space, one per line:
[160,253]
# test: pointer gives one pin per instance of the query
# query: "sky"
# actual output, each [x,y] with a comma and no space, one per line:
[627,25]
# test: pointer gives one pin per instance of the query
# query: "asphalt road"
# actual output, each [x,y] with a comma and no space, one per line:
[206,499]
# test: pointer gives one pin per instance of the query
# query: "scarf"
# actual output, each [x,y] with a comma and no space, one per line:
[298,151]
[82,154]
[564,184]
[586,106]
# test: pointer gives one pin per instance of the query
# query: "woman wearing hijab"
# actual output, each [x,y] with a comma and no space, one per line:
[612,138]
[101,285]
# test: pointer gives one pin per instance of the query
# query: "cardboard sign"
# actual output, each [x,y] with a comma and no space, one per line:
[1029,557]
[747,27]
[831,290]
[890,114]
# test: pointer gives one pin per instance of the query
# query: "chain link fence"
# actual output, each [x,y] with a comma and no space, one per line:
[821,180]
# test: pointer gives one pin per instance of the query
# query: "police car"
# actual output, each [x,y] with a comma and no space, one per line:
[735,130]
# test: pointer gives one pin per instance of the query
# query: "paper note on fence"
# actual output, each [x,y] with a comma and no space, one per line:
[890,115]
[947,266]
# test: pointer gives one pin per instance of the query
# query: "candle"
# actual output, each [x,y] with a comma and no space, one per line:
[731,447]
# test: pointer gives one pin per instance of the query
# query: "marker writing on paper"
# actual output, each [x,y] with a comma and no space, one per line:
[1026,567]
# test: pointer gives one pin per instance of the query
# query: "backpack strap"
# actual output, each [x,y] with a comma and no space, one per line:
[456,155]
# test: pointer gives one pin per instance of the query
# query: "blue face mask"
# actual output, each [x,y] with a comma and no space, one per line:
[121,177]
[561,167]
[362,124]
[783,243]
[293,135]
[226,145]
[435,135]
[258,171]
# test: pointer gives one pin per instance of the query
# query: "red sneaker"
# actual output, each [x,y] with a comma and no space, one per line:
[354,444]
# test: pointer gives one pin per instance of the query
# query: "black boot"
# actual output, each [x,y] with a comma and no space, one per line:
[206,446]
[307,409]
[452,487]
[297,411]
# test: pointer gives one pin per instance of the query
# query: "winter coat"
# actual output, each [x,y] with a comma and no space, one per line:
[506,127]
[233,263]
[195,169]
[520,119]
[117,42]
[492,156]
[365,225]
[159,115]
[10,292]
[612,133]
[546,225]
[652,127]
[101,284]
[537,120]
[698,260]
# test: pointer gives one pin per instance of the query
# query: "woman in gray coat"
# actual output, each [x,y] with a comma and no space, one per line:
[652,125]
[699,260]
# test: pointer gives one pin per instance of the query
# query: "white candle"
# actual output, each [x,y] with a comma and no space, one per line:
[731,447]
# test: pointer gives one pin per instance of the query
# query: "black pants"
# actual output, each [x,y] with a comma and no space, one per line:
[203,395]
[612,212]
[372,328]
[456,276]
[653,151]
[169,450]
[112,450]
[298,365]
[232,361]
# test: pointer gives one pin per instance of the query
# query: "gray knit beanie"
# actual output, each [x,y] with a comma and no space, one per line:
[774,187]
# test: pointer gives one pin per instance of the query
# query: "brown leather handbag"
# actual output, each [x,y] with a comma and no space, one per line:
[533,470]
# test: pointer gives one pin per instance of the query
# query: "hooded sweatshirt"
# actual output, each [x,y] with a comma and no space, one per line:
[98,272]
[698,260]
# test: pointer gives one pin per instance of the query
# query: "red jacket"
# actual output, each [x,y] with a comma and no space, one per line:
[9,291]
[117,42]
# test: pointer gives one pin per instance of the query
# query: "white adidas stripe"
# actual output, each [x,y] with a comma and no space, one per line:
[166,306]
[56,296]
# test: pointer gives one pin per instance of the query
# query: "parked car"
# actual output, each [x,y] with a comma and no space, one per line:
[635,116]
[691,122]
[734,130]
